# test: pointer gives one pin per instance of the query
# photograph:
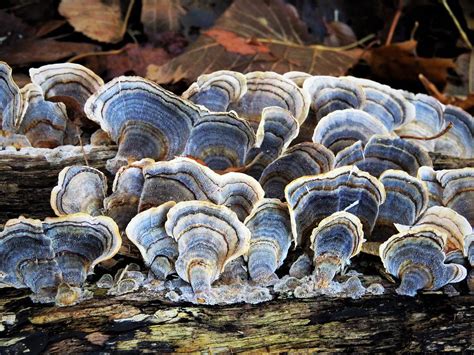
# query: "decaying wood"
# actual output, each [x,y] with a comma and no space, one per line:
[388,323]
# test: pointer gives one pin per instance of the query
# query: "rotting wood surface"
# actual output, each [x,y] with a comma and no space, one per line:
[388,323]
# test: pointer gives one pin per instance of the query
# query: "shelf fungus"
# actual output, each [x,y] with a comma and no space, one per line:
[208,236]
[298,77]
[382,153]
[335,241]
[27,257]
[184,179]
[44,122]
[147,231]
[458,191]
[221,140]
[386,104]
[435,191]
[313,198]
[80,242]
[79,189]
[276,131]
[455,226]
[122,204]
[458,141]
[406,200]
[145,120]
[428,122]
[217,90]
[270,227]
[417,258]
[265,89]
[12,105]
[299,160]
[341,129]
[329,94]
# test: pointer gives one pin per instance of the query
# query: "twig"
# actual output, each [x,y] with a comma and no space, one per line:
[127,16]
[84,155]
[394,24]
[458,25]
[437,135]
[91,54]
[432,89]
[318,46]
[413,30]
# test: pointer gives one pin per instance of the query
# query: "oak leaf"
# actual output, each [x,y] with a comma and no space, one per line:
[274,25]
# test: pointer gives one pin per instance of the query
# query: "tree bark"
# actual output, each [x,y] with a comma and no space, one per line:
[130,323]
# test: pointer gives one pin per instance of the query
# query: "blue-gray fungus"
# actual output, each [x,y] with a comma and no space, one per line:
[221,140]
[159,250]
[145,120]
[335,241]
[79,189]
[302,159]
[417,258]
[270,227]
[208,236]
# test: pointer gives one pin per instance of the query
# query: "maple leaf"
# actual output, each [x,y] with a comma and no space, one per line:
[262,25]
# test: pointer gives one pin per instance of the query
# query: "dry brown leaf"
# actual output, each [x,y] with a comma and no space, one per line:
[161,15]
[20,44]
[33,50]
[398,61]
[133,59]
[99,20]
[274,24]
[235,44]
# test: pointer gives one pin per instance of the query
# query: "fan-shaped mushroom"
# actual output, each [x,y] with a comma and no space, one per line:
[298,77]
[300,160]
[435,191]
[221,140]
[382,153]
[265,89]
[147,231]
[406,200]
[44,122]
[416,257]
[122,204]
[184,179]
[329,94]
[455,226]
[80,242]
[275,132]
[217,90]
[458,191]
[146,120]
[270,227]
[313,198]
[12,105]
[337,238]
[27,257]
[209,236]
[79,189]
[341,129]
[429,119]
[458,141]
[386,104]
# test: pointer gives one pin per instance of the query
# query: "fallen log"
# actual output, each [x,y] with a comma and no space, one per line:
[130,323]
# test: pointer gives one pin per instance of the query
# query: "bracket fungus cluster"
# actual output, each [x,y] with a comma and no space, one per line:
[53,257]
[222,191]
